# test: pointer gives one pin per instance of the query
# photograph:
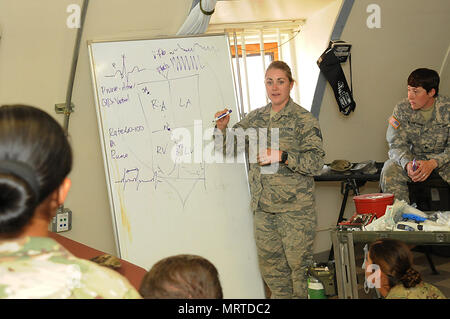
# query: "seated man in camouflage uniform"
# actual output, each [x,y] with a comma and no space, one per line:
[417,134]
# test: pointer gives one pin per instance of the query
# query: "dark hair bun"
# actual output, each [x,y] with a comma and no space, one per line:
[411,278]
[18,202]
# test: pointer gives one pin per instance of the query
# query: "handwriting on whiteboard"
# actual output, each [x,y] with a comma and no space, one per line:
[150,99]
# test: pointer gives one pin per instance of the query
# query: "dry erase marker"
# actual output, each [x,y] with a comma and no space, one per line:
[414,166]
[222,115]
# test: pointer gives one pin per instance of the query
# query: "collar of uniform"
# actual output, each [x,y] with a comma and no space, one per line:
[417,117]
[439,103]
[264,112]
[19,246]
[283,112]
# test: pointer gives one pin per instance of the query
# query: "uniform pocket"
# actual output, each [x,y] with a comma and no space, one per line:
[440,135]
[274,195]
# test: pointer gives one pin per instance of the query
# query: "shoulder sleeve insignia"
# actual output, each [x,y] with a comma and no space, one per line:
[394,122]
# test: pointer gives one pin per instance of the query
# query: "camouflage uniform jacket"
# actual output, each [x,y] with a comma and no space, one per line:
[291,186]
[38,268]
[422,291]
[416,138]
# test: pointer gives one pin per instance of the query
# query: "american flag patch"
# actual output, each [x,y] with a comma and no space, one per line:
[394,122]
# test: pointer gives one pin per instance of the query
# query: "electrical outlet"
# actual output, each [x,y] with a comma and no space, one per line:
[62,221]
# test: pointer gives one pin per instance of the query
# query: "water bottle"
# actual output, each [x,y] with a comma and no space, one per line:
[315,289]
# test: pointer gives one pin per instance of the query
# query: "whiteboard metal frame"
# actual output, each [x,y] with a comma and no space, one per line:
[103,147]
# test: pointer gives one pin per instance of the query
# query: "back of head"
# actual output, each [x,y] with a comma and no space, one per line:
[395,260]
[35,157]
[182,277]
[426,78]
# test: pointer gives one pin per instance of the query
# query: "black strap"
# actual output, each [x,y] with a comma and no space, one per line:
[330,66]
[351,80]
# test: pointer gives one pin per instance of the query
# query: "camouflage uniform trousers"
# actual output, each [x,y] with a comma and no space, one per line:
[285,250]
[394,179]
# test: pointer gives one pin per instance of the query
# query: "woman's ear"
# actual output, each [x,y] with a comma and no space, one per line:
[384,287]
[432,92]
[63,190]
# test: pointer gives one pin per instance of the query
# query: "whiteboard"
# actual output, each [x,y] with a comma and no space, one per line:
[169,194]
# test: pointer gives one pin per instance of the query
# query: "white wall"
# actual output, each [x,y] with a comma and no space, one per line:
[444,87]
[35,59]
[312,41]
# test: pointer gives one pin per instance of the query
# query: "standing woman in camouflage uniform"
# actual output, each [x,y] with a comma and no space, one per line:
[35,159]
[283,199]
[418,133]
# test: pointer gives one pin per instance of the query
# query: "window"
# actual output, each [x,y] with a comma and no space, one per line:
[277,43]
[253,89]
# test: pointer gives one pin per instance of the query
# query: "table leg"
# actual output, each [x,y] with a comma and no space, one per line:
[345,265]
[340,217]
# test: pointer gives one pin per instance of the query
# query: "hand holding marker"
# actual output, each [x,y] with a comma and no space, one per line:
[222,115]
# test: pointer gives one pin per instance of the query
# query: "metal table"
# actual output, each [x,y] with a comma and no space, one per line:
[344,253]
[350,181]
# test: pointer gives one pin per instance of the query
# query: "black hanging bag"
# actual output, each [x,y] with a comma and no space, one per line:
[330,66]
